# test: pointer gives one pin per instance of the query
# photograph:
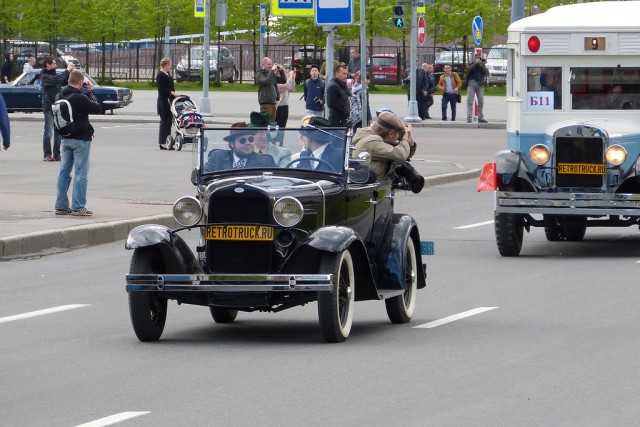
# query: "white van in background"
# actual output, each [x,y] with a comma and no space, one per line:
[497,65]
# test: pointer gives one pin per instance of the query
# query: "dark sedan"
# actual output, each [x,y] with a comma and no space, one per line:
[24,94]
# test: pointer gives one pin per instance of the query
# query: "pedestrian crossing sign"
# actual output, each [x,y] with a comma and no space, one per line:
[199,10]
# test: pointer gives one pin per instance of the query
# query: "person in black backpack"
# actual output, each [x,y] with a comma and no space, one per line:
[75,147]
[50,84]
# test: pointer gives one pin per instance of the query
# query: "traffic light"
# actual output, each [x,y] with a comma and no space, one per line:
[399,18]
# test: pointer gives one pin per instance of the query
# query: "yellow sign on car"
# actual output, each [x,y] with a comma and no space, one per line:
[582,168]
[239,232]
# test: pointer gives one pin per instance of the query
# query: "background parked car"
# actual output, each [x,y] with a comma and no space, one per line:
[304,58]
[385,69]
[453,58]
[24,93]
[497,65]
[190,66]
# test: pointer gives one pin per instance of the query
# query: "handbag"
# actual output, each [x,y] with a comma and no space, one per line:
[459,98]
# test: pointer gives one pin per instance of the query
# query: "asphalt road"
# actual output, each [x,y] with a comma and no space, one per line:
[555,345]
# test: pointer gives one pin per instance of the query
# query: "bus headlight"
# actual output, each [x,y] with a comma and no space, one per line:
[616,155]
[288,211]
[187,211]
[539,154]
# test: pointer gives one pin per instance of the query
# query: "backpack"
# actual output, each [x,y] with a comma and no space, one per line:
[63,117]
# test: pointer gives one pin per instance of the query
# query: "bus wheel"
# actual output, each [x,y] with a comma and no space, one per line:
[509,231]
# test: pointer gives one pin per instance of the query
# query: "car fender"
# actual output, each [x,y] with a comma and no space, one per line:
[511,167]
[335,239]
[176,254]
[404,229]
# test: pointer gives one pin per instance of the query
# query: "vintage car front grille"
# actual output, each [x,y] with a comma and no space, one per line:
[570,150]
[225,256]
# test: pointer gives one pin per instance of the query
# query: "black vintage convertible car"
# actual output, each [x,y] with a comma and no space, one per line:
[285,230]
[24,94]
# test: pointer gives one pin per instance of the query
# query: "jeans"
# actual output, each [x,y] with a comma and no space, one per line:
[49,131]
[449,98]
[75,154]
[474,88]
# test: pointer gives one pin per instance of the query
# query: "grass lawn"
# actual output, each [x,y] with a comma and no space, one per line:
[250,87]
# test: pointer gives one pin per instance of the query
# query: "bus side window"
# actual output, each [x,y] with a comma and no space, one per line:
[544,88]
[614,88]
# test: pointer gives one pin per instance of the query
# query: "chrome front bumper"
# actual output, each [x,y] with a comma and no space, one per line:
[229,282]
[593,204]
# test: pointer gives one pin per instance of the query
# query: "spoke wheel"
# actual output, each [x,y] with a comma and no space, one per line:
[335,308]
[509,232]
[223,315]
[400,309]
[169,142]
[148,310]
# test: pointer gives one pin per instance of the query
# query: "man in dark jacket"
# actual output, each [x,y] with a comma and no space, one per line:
[338,97]
[75,147]
[431,89]
[321,144]
[314,93]
[50,85]
[267,79]
[5,127]
[421,88]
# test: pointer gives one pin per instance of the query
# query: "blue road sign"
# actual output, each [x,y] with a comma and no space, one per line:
[477,30]
[334,12]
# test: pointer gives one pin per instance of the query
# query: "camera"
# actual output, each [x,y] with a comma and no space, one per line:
[84,84]
[319,102]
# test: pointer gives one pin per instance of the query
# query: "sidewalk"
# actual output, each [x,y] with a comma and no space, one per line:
[125,192]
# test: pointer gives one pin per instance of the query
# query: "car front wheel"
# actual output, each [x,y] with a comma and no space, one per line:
[400,309]
[335,308]
[148,310]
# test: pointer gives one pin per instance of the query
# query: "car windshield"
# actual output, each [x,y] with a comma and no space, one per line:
[446,56]
[299,149]
[497,53]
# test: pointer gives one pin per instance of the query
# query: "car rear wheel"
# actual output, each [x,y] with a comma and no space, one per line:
[223,315]
[335,308]
[509,232]
[400,309]
[179,142]
[148,310]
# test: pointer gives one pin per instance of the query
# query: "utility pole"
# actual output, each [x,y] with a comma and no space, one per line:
[205,106]
[413,104]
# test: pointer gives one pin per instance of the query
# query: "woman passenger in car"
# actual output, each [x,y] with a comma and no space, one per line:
[388,141]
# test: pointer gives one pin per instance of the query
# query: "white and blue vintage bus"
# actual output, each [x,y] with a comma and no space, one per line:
[573,124]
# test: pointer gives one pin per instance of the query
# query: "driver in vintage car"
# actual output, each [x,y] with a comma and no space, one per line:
[319,143]
[241,154]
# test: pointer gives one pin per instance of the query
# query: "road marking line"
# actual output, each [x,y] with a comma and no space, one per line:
[454,317]
[478,224]
[42,312]
[113,419]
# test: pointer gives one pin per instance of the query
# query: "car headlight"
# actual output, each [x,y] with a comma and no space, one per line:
[539,154]
[187,211]
[616,155]
[288,211]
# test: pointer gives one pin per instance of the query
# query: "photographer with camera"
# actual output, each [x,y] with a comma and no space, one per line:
[267,78]
[314,93]
[390,144]
[477,75]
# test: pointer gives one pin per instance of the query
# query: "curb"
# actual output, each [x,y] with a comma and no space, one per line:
[63,239]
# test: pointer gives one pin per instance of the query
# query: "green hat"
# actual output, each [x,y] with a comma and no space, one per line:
[261,119]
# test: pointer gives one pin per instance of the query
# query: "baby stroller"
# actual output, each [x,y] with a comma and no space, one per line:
[186,121]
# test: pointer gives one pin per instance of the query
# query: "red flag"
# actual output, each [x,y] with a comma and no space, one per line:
[488,178]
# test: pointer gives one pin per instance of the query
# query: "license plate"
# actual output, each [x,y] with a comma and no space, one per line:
[379,76]
[239,232]
[582,168]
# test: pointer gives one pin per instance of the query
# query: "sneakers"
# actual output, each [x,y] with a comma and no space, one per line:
[56,159]
[81,212]
[482,121]
[47,159]
[63,211]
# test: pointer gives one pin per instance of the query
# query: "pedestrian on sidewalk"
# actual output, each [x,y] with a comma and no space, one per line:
[421,87]
[5,128]
[431,89]
[313,93]
[449,85]
[50,84]
[76,147]
[338,97]
[477,75]
[267,78]
[7,68]
[357,95]
[28,66]
[166,95]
